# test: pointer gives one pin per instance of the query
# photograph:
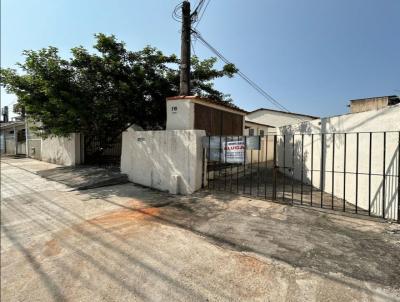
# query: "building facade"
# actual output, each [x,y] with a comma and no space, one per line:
[374,103]
[276,118]
[216,118]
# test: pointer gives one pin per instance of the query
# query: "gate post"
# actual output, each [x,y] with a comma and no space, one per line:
[203,167]
[274,172]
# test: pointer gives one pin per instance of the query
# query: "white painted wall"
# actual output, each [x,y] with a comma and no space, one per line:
[34,148]
[266,142]
[168,160]
[387,119]
[257,128]
[62,150]
[275,118]
[180,114]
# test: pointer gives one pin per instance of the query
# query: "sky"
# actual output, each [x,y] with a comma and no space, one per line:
[312,56]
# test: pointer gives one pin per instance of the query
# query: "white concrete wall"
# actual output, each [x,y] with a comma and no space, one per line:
[262,155]
[62,150]
[180,114]
[168,160]
[266,142]
[275,118]
[387,119]
[21,147]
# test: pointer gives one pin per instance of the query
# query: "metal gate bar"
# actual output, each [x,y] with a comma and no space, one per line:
[273,172]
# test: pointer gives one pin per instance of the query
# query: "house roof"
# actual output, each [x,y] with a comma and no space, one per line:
[260,124]
[285,112]
[215,102]
[12,124]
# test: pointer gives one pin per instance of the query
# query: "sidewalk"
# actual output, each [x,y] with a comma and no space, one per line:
[75,177]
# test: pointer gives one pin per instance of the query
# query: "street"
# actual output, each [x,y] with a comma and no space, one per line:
[130,243]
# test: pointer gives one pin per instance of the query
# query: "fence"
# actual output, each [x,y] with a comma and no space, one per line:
[351,172]
[102,152]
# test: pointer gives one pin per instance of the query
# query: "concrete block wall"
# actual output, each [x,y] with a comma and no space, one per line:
[62,150]
[10,145]
[35,148]
[168,160]
[377,121]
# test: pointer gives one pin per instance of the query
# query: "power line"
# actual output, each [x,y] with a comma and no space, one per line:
[195,13]
[175,13]
[202,14]
[240,73]
[195,18]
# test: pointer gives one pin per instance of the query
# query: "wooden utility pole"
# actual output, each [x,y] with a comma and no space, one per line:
[184,87]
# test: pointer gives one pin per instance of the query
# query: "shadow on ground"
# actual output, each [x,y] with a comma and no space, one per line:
[84,177]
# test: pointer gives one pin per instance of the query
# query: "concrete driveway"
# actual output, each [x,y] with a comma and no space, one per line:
[128,243]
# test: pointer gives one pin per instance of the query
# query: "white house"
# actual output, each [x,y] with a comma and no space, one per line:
[253,128]
[276,118]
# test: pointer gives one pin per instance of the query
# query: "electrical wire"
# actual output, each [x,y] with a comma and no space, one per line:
[202,14]
[197,14]
[240,73]
[194,16]
[175,13]
[195,19]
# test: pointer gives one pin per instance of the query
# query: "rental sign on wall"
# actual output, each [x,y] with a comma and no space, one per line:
[229,149]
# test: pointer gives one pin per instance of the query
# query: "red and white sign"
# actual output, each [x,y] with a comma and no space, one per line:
[233,152]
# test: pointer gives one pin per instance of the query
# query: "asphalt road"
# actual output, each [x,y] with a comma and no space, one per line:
[128,243]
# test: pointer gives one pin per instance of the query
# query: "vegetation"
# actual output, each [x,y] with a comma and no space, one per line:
[104,92]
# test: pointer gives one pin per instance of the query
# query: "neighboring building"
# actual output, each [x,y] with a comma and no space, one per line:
[13,138]
[253,128]
[215,117]
[374,103]
[276,118]
[368,141]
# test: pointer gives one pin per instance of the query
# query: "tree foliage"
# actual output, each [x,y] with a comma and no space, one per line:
[103,92]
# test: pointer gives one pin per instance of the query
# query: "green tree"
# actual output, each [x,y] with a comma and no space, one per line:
[104,92]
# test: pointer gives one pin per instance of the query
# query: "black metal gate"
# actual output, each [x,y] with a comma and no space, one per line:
[102,153]
[351,172]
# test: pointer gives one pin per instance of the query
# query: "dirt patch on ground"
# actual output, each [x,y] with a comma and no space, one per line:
[124,215]
[252,264]
[52,248]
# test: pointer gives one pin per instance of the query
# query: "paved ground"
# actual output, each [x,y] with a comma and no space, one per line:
[127,243]
[258,181]
[79,177]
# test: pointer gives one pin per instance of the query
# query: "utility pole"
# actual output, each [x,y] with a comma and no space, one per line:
[184,87]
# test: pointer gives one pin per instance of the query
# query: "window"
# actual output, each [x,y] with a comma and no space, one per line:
[251,132]
[261,132]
